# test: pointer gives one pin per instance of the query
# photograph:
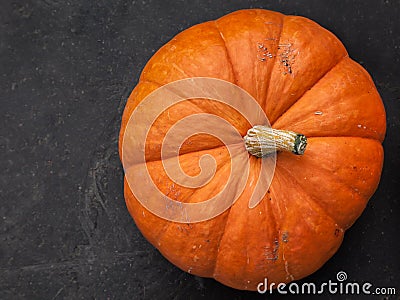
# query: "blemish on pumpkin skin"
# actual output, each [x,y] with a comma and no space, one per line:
[272,254]
[288,275]
[287,57]
[285,237]
[263,52]
[287,271]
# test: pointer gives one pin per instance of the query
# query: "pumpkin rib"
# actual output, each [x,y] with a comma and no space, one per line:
[344,136]
[276,228]
[302,113]
[195,52]
[362,196]
[224,232]
[268,207]
[129,197]
[164,236]
[130,106]
[265,220]
[310,199]
[161,236]
[301,96]
[244,32]
[245,266]
[283,176]
[319,51]
[219,242]
[274,57]
[275,205]
[275,213]
[268,235]
[275,210]
[227,52]
[189,152]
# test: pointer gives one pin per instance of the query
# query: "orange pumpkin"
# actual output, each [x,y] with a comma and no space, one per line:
[303,78]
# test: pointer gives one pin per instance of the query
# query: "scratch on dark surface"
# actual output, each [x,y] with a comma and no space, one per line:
[47,266]
[96,202]
[77,263]
[58,293]
[98,197]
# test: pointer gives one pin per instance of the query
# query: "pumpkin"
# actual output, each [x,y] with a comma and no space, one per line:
[302,77]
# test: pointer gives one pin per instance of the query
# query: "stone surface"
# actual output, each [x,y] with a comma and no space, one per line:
[66,70]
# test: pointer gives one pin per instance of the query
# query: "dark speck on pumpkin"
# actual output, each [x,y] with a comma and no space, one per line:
[285,237]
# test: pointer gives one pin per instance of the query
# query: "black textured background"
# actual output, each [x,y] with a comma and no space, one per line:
[66,70]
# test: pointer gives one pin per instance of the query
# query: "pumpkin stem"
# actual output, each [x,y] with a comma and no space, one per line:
[262,141]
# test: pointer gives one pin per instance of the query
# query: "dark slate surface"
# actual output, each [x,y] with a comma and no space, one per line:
[66,69]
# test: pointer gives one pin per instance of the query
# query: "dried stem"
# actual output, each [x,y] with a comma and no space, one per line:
[261,141]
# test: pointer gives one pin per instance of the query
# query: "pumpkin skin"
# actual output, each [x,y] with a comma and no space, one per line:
[303,78]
